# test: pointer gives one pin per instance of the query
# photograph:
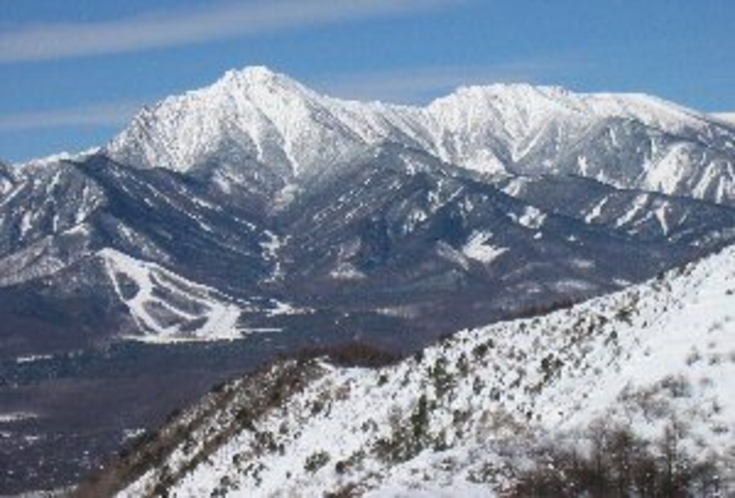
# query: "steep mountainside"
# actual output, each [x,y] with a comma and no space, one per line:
[645,215]
[7,179]
[396,233]
[492,202]
[483,412]
[85,234]
[630,141]
[400,232]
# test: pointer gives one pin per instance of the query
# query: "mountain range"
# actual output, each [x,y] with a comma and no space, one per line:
[256,218]
[253,202]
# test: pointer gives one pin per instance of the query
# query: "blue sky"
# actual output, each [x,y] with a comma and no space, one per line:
[73,72]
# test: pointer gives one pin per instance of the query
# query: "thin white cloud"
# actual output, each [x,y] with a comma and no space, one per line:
[418,85]
[220,20]
[105,114]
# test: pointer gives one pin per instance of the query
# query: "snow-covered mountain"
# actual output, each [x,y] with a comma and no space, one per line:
[483,412]
[488,203]
[256,115]
[257,209]
[728,117]
[6,178]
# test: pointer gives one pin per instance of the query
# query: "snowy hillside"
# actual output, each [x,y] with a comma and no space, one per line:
[727,117]
[482,411]
[168,308]
[258,116]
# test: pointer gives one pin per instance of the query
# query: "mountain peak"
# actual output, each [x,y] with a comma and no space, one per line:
[252,114]
[551,103]
[256,77]
[253,72]
[537,97]
[521,87]
[256,115]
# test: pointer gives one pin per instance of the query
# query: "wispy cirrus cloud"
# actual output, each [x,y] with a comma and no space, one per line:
[95,115]
[219,20]
[420,84]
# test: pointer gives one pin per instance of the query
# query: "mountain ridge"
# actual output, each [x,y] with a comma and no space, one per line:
[248,186]
[474,412]
[493,129]
[729,117]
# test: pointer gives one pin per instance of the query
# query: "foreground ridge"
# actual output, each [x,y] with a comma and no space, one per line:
[481,412]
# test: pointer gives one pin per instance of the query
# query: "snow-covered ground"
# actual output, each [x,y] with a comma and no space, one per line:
[479,248]
[169,308]
[726,116]
[461,417]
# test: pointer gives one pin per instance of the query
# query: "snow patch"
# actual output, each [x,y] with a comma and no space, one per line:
[7,418]
[478,248]
[32,358]
[169,308]
[532,218]
[346,271]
